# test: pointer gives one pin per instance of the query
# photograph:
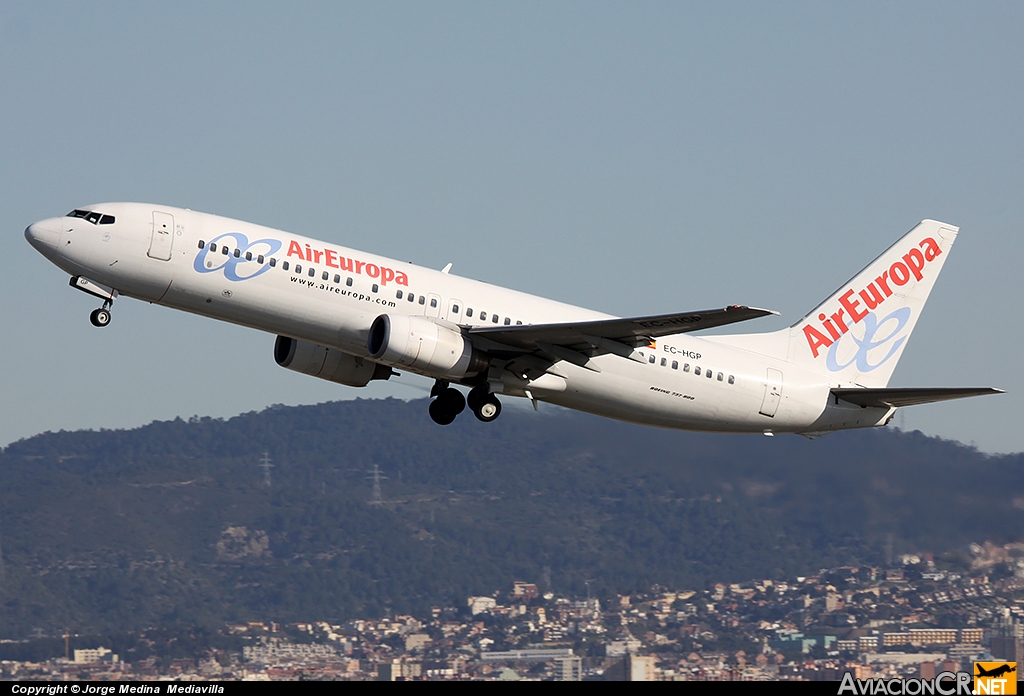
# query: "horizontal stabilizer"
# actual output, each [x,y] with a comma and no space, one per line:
[885,398]
[630,331]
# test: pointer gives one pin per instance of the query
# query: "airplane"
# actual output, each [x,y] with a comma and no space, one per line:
[351,317]
[995,671]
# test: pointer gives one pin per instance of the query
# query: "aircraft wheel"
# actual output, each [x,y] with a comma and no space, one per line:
[439,414]
[477,396]
[99,317]
[489,409]
[453,401]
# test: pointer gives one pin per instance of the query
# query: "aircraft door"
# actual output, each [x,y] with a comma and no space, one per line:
[455,310]
[433,305]
[772,393]
[163,236]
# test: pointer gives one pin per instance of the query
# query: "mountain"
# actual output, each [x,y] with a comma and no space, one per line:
[174,523]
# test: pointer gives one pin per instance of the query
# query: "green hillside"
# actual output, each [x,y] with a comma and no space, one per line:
[173,523]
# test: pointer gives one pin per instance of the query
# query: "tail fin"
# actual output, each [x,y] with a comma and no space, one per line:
[860,331]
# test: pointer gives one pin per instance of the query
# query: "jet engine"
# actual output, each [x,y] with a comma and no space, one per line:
[327,363]
[421,345]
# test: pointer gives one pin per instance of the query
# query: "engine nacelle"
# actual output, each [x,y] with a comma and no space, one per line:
[327,363]
[421,345]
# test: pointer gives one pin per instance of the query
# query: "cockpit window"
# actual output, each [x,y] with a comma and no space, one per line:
[92,216]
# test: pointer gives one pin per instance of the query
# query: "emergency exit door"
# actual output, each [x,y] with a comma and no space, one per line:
[772,393]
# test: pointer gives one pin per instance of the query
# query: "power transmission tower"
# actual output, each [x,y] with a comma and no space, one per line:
[266,466]
[377,476]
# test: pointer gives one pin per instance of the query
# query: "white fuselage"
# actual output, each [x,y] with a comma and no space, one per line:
[330,295]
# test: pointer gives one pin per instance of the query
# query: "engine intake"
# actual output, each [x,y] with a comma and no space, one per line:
[421,345]
[327,363]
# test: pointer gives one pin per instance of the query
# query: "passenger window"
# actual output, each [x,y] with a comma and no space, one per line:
[298,268]
[433,302]
[325,276]
[519,323]
[349,282]
[248,256]
[664,362]
[455,309]
[507,321]
[696,370]
[213,247]
[201,244]
[720,376]
[732,379]
[686,367]
[483,316]
[412,297]
[238,253]
[312,272]
[423,300]
[107,220]
[675,364]
[651,359]
[273,262]
[284,265]
[375,287]
[469,313]
[399,294]
[711,373]
[337,278]
[224,250]
[259,259]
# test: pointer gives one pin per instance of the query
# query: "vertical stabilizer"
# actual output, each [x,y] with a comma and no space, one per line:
[858,334]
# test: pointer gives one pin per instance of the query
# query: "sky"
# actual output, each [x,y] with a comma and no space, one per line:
[633,158]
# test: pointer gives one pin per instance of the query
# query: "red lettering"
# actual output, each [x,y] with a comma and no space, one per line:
[815,339]
[372,270]
[915,261]
[872,296]
[318,255]
[402,279]
[331,256]
[851,306]
[359,266]
[931,248]
[881,280]
[838,319]
[828,327]
[898,273]
[309,253]
[386,274]
[295,250]
[345,264]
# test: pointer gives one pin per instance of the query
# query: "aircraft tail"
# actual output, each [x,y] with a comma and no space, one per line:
[860,331]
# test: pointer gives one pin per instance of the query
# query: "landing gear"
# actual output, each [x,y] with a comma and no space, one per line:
[448,404]
[485,406]
[101,317]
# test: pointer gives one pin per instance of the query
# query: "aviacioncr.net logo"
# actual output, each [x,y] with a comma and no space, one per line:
[236,268]
[882,339]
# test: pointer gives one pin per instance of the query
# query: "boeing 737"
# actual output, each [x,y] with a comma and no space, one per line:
[351,317]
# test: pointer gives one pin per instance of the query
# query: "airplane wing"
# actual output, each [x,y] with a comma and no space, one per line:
[632,331]
[884,398]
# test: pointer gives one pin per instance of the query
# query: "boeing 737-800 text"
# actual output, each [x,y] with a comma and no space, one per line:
[351,317]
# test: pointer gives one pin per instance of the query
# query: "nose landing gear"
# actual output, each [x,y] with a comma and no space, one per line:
[101,317]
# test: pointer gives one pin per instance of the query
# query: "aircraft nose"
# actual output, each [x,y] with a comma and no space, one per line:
[44,235]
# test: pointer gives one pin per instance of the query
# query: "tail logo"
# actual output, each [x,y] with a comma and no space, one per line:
[850,312]
[868,343]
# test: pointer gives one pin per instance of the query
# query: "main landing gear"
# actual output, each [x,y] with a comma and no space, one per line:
[101,317]
[449,403]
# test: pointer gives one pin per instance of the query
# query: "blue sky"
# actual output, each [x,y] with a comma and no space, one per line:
[631,158]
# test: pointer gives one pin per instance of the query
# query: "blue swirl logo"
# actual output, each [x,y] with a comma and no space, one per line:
[898,319]
[236,268]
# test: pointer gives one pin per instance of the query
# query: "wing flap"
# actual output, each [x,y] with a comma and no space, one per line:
[885,398]
[630,331]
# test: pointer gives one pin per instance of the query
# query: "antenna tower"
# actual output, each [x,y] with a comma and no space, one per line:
[377,476]
[266,466]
